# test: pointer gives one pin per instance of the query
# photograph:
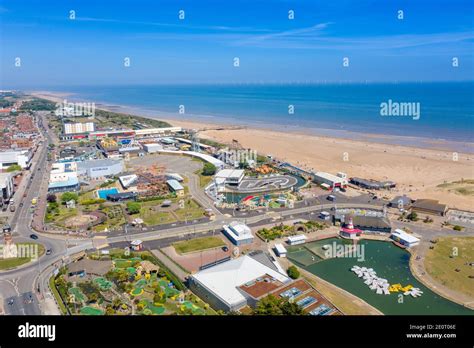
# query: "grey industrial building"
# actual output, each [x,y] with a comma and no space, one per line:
[100,168]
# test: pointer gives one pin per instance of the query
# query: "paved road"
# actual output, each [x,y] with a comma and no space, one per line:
[23,279]
[23,304]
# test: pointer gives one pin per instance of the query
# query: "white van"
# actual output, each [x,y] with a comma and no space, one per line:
[324,215]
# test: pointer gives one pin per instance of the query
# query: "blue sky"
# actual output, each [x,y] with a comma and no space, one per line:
[90,50]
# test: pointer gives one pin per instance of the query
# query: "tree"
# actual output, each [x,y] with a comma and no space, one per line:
[51,198]
[293,272]
[133,207]
[122,276]
[109,310]
[13,168]
[116,303]
[412,216]
[243,165]
[272,305]
[209,169]
[69,196]
[93,297]
[159,297]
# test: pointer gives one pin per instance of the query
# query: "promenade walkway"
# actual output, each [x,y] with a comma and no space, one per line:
[170,264]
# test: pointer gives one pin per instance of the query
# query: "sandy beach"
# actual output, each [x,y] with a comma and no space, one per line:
[417,171]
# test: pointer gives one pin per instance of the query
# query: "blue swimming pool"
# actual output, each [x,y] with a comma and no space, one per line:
[103,193]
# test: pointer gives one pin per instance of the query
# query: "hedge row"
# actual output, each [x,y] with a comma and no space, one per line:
[57,296]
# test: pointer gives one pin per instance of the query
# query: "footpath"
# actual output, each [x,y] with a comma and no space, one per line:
[170,264]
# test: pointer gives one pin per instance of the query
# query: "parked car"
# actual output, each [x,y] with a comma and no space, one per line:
[226,249]
[33,236]
[331,198]
[48,252]
[324,215]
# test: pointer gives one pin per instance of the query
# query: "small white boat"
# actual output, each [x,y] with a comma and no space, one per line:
[379,291]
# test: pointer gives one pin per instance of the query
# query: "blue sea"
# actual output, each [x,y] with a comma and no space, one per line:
[446,109]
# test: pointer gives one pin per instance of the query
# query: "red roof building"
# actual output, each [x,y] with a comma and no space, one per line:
[348,231]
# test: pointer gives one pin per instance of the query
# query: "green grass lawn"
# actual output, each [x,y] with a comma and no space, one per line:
[18,261]
[198,244]
[125,263]
[442,267]
[191,211]
[151,218]
[62,215]
[204,180]
[152,215]
[85,196]
[115,218]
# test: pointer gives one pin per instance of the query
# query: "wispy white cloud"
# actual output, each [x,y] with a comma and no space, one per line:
[287,34]
[317,39]
[217,28]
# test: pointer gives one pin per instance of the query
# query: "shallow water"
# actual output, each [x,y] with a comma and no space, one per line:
[390,262]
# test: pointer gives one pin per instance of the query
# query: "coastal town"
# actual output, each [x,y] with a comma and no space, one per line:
[236,173]
[107,213]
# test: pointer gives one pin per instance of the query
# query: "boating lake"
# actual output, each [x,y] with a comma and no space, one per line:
[389,261]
